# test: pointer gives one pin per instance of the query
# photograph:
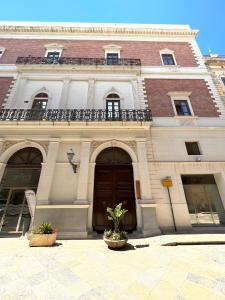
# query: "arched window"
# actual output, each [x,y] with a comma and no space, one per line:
[112,106]
[40,101]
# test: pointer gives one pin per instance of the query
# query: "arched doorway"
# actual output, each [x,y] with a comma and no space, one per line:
[22,172]
[114,183]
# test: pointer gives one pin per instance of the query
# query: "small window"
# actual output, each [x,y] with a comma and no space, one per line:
[223,80]
[182,108]
[53,55]
[168,59]
[192,148]
[112,58]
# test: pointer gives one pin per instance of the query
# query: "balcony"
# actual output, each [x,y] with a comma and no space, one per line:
[76,115]
[31,60]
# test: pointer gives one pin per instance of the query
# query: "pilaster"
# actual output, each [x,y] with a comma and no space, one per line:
[91,94]
[82,188]
[146,193]
[64,94]
[47,173]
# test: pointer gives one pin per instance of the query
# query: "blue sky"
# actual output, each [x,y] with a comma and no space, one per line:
[208,16]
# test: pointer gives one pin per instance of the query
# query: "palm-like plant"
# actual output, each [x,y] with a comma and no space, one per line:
[116,215]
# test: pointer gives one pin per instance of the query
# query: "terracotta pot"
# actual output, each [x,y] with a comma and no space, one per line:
[42,240]
[115,244]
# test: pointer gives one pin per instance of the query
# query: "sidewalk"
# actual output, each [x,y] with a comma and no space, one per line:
[87,269]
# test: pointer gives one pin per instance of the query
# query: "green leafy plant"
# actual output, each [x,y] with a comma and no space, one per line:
[116,215]
[107,233]
[44,228]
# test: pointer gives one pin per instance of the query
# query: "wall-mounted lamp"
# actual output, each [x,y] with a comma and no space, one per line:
[70,156]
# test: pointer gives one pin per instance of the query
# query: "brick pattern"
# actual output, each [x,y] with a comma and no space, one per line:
[5,86]
[160,103]
[148,52]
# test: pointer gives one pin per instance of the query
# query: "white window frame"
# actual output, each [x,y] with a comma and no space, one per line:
[181,96]
[53,48]
[2,50]
[115,49]
[167,51]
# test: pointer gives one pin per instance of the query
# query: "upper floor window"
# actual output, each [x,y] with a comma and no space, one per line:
[182,108]
[53,55]
[40,101]
[53,51]
[2,50]
[112,58]
[112,106]
[168,59]
[223,80]
[112,54]
[181,103]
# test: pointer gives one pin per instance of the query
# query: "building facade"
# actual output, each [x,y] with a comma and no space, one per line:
[97,114]
[216,66]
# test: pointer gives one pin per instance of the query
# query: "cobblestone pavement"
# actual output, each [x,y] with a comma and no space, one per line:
[87,269]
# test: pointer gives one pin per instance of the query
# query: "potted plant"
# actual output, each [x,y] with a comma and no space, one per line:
[115,238]
[43,236]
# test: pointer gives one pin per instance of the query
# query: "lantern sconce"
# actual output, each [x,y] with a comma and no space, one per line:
[70,156]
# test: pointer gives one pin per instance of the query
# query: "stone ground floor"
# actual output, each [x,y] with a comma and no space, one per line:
[87,269]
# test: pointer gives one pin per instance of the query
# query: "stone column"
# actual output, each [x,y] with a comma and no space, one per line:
[47,173]
[91,94]
[64,94]
[82,187]
[148,207]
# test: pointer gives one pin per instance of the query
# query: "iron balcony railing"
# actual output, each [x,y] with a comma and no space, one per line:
[31,60]
[68,115]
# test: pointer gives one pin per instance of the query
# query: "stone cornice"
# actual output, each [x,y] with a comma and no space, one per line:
[96,29]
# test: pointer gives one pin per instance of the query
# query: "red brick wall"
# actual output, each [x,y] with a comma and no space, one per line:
[148,52]
[4,87]
[160,102]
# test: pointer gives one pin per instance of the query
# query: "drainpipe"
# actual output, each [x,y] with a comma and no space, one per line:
[167,182]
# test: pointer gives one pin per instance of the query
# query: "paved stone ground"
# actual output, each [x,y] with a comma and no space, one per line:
[87,269]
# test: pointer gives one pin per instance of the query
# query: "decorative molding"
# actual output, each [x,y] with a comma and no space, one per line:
[179,94]
[7,145]
[28,142]
[54,46]
[84,29]
[132,145]
[112,47]
[96,144]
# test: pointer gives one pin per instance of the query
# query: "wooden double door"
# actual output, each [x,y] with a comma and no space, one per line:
[114,184]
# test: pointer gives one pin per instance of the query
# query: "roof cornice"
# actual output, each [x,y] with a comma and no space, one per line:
[96,29]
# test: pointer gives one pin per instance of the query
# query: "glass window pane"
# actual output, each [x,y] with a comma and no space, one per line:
[182,108]
[168,59]
[112,58]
